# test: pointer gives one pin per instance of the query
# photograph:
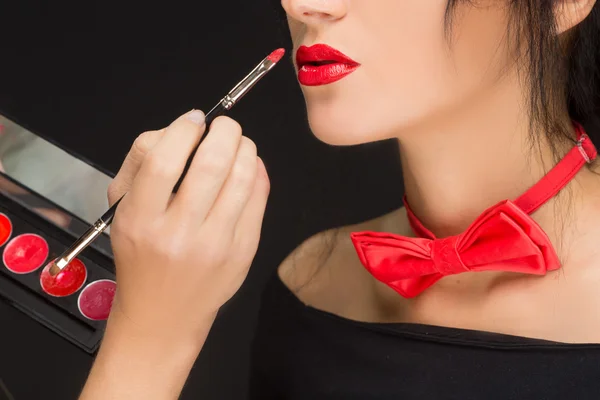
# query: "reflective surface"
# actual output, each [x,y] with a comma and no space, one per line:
[50,181]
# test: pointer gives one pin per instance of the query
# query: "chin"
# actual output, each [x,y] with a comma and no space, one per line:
[348,125]
[337,133]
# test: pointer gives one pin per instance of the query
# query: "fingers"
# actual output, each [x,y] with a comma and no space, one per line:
[249,224]
[164,164]
[237,189]
[122,182]
[208,171]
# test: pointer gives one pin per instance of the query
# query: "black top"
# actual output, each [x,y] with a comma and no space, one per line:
[304,353]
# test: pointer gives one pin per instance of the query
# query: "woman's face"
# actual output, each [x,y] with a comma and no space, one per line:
[398,68]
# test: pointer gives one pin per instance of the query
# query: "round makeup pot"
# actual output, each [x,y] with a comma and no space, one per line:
[5,229]
[95,300]
[25,253]
[66,282]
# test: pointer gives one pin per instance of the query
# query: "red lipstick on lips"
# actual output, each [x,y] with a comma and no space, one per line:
[321,64]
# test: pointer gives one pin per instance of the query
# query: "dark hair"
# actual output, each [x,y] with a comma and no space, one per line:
[558,69]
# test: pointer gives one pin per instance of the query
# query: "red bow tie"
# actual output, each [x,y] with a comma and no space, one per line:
[503,238]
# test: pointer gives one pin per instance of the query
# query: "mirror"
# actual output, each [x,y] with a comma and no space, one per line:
[51,182]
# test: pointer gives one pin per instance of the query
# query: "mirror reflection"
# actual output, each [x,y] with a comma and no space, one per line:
[63,189]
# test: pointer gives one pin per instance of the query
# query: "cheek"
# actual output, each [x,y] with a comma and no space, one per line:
[481,46]
[403,76]
[433,74]
[297,31]
[411,73]
[414,74]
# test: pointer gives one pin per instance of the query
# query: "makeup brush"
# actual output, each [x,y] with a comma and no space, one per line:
[223,106]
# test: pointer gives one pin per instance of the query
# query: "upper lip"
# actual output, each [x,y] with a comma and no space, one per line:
[321,54]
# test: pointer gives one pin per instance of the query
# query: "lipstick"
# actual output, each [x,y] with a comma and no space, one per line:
[321,64]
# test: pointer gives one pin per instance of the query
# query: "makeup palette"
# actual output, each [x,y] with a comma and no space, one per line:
[47,199]
[76,302]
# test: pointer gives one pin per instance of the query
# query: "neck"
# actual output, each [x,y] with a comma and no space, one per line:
[462,163]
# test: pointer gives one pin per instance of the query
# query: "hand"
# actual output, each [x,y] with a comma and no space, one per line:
[180,257]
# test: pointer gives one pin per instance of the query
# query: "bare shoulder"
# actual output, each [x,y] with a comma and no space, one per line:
[324,271]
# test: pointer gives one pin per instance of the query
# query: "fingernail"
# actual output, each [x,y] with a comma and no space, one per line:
[196,116]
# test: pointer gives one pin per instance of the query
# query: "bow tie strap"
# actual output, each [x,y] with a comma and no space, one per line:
[558,177]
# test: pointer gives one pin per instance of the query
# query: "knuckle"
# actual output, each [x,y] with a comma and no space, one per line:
[248,147]
[245,167]
[114,191]
[159,166]
[173,248]
[227,124]
[214,162]
[143,144]
[243,173]
[214,252]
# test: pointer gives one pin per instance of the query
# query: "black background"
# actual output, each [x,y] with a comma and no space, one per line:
[91,76]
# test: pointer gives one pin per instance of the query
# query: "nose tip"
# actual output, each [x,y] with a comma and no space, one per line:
[315,10]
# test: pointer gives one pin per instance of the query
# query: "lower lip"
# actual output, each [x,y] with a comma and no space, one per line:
[25,253]
[66,282]
[95,301]
[312,75]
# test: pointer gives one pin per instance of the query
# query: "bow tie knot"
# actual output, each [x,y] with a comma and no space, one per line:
[445,257]
[502,238]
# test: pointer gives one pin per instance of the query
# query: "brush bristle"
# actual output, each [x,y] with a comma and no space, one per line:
[54,270]
[276,55]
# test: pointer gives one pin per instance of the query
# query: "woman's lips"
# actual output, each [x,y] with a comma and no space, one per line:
[321,64]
